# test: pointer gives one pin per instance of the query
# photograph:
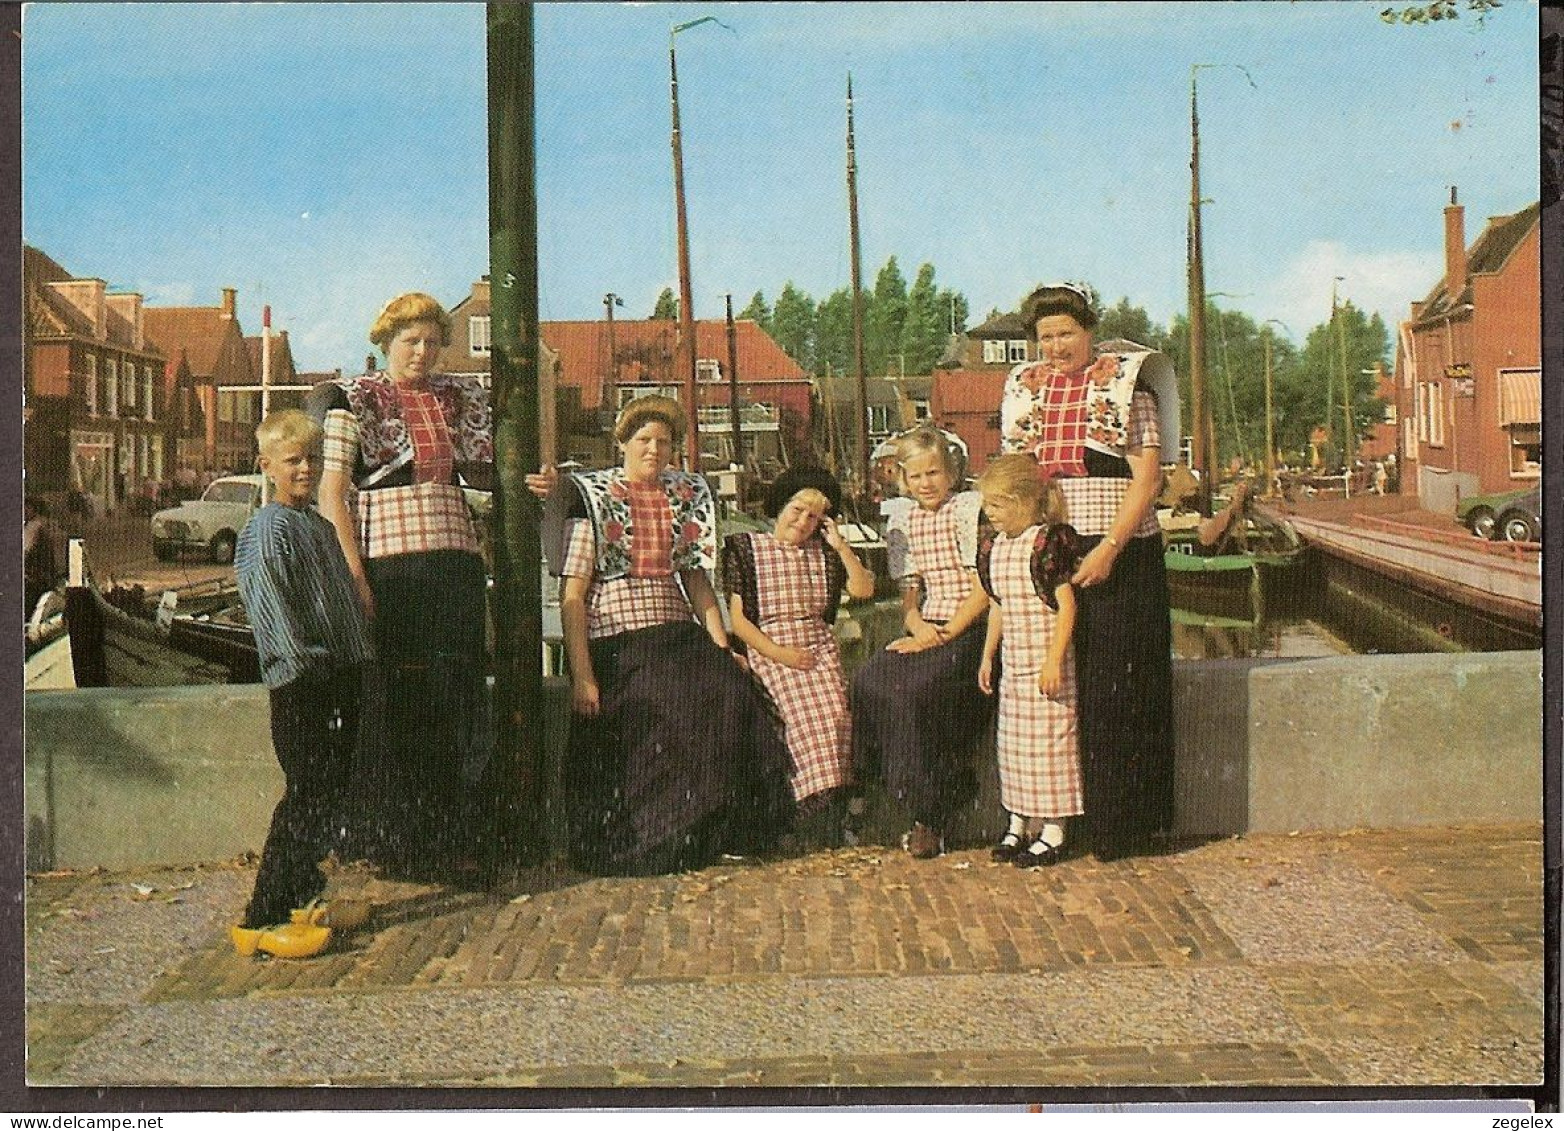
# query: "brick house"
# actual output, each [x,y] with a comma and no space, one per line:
[970,381]
[895,403]
[209,342]
[776,395]
[1469,365]
[92,382]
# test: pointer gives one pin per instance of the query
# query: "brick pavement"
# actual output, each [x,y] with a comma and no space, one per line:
[1407,957]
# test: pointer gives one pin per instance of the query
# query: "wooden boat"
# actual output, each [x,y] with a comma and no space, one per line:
[118,643]
[1232,583]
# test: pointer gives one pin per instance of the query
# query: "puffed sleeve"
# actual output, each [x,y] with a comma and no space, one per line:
[738,573]
[985,556]
[580,551]
[1055,557]
[1014,407]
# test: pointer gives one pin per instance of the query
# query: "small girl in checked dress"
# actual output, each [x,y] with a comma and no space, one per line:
[1025,567]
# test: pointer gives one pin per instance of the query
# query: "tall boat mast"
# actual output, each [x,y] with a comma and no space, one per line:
[685,352]
[1200,412]
[861,403]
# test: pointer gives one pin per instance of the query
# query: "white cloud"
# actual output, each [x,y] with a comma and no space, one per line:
[1385,281]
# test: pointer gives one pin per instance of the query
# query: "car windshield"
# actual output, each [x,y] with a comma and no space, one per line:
[229,491]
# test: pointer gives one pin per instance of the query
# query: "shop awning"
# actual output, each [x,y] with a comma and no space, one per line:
[1520,396]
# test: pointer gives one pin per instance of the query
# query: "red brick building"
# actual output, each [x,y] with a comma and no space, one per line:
[208,343]
[92,380]
[970,383]
[1469,365]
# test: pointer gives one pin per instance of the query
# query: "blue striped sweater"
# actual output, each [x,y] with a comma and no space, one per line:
[298,594]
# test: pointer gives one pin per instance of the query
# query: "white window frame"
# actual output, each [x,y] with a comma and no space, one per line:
[1520,467]
[146,393]
[111,387]
[1016,350]
[90,385]
[993,351]
[880,419]
[225,406]
[127,388]
[480,335]
[708,370]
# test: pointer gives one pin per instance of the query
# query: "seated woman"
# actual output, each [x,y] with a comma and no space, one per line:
[784,590]
[674,756]
[917,708]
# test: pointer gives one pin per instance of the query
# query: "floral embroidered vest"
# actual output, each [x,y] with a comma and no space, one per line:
[604,498]
[384,443]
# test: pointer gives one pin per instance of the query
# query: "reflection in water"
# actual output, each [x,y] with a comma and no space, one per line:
[1196,637]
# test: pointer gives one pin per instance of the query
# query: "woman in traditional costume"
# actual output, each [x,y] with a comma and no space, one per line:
[674,756]
[397,445]
[784,590]
[1097,423]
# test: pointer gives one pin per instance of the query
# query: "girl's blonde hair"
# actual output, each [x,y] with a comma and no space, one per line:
[404,310]
[924,440]
[1017,476]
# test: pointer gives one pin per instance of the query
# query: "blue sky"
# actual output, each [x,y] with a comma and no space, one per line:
[323,157]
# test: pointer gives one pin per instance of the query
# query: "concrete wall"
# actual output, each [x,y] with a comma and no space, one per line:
[1358,742]
[117,777]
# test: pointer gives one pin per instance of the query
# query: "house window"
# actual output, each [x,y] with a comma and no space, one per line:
[478,335]
[90,386]
[1525,449]
[157,458]
[879,418]
[707,369]
[993,351]
[111,387]
[127,388]
[225,407]
[1431,414]
[146,393]
[920,410]
[628,393]
[1017,349]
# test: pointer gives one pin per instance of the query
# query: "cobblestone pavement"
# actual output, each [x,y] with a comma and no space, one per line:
[1411,957]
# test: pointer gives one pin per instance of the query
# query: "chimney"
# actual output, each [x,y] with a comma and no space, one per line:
[1455,248]
[128,307]
[228,302]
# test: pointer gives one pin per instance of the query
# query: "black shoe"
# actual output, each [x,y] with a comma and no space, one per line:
[1038,854]
[1007,849]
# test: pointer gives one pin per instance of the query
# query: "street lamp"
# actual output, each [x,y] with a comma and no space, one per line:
[610,397]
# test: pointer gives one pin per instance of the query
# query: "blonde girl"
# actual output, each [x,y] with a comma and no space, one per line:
[1025,568]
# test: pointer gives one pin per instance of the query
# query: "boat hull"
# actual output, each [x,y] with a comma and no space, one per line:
[113,648]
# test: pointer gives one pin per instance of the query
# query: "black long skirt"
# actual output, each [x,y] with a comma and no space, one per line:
[916,720]
[1124,688]
[684,760]
[416,805]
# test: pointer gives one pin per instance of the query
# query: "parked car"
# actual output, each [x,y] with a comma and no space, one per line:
[211,522]
[1521,520]
[1478,512]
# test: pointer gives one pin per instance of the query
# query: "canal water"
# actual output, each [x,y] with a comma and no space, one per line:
[1322,606]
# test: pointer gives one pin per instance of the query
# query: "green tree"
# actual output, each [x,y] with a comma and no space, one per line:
[793,325]
[834,332]
[758,311]
[667,306]
[955,305]
[1363,341]
[884,318]
[924,330]
[1122,320]
[1436,11]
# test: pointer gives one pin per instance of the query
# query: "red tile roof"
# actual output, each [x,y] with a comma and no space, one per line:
[282,370]
[645,351]
[199,331]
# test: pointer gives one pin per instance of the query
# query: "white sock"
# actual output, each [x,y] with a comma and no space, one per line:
[1017,826]
[1052,834]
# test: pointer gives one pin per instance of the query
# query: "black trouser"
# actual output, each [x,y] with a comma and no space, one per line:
[314,727]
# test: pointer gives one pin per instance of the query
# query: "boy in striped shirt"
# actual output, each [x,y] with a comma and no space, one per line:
[311,634]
